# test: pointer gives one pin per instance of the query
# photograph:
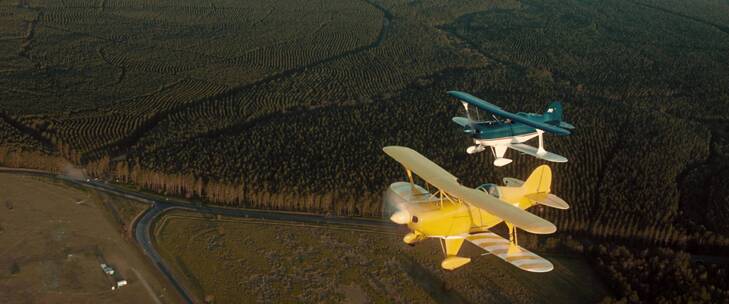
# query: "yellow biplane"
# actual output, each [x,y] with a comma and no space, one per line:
[455,213]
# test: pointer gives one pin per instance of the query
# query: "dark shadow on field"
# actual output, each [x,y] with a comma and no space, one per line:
[194,283]
[429,282]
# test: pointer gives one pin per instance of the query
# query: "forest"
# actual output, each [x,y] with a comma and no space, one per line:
[286,105]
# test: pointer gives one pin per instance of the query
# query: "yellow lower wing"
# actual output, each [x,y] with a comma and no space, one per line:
[509,252]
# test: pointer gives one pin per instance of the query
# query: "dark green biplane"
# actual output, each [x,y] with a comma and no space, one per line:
[510,130]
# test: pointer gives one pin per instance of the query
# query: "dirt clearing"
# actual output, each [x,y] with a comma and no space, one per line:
[53,239]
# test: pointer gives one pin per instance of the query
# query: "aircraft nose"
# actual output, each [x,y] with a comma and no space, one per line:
[401,217]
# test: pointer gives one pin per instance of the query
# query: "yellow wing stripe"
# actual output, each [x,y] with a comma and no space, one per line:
[511,253]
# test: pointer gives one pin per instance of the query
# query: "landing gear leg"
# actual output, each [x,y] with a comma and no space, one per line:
[413,237]
[540,150]
[499,152]
[450,248]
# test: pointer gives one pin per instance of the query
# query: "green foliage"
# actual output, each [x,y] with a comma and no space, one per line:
[12,138]
[661,275]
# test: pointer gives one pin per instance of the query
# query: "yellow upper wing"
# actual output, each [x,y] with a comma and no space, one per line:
[446,182]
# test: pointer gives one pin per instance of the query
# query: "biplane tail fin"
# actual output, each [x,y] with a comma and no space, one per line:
[537,187]
[553,113]
[539,181]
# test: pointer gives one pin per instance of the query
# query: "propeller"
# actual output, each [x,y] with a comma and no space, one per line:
[401,217]
[395,208]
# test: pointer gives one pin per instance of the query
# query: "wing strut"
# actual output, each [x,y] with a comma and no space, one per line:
[512,234]
[412,181]
[468,114]
[410,176]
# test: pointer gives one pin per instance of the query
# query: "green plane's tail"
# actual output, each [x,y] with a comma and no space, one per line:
[553,114]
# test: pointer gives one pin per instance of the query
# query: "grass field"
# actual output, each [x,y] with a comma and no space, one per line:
[235,260]
[53,239]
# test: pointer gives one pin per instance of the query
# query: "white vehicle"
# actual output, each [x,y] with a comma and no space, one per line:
[108,270]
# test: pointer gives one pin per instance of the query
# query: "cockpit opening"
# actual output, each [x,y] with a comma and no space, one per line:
[491,189]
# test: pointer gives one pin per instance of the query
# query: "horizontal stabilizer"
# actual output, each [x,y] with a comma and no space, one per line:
[566,125]
[510,252]
[512,182]
[533,151]
[537,197]
[549,200]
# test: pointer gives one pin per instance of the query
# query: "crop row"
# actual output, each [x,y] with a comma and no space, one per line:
[388,68]
[613,54]
[88,131]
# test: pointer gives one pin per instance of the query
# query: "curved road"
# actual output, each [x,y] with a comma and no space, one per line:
[142,227]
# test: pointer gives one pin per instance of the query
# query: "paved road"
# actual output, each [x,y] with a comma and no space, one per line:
[142,227]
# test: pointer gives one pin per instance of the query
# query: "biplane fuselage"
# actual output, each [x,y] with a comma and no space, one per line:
[435,218]
[498,129]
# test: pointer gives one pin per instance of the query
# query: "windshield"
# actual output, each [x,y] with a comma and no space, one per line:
[491,189]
